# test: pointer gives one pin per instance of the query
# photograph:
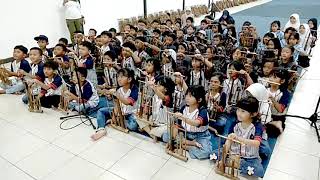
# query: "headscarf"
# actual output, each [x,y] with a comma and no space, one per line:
[305,36]
[296,25]
[315,26]
[228,19]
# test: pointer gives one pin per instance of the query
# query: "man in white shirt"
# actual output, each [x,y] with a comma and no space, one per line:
[73,16]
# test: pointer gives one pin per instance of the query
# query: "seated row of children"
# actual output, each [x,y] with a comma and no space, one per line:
[224,87]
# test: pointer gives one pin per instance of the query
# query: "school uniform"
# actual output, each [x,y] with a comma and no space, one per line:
[128,111]
[89,98]
[110,75]
[16,82]
[65,73]
[249,154]
[51,97]
[234,91]
[216,116]
[197,78]
[88,63]
[129,63]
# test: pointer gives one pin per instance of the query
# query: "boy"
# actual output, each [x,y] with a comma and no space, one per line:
[106,38]
[51,87]
[16,85]
[63,41]
[43,42]
[62,59]
[89,99]
[92,35]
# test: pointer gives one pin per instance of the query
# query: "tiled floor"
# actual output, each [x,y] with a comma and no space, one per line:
[32,146]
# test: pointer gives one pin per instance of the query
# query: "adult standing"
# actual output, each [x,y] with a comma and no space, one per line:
[74,18]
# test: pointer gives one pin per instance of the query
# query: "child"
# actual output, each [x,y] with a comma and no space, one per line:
[287,33]
[293,41]
[35,56]
[43,42]
[106,37]
[293,22]
[280,98]
[248,130]
[267,66]
[110,72]
[275,29]
[182,59]
[87,62]
[51,87]
[16,85]
[263,45]
[63,41]
[168,61]
[62,59]
[88,97]
[189,34]
[142,51]
[216,100]
[127,60]
[286,60]
[275,46]
[127,95]
[163,88]
[194,120]
[305,37]
[196,76]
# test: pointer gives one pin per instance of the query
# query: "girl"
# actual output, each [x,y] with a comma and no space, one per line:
[267,66]
[216,100]
[87,62]
[127,59]
[180,88]
[313,25]
[127,95]
[263,45]
[194,119]
[275,45]
[275,29]
[163,88]
[280,98]
[248,130]
[182,59]
[305,37]
[196,76]
[294,22]
[293,41]
[286,60]
[168,62]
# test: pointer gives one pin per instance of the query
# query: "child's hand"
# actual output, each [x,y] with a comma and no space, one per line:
[112,92]
[36,81]
[177,114]
[150,83]
[243,72]
[232,136]
[21,72]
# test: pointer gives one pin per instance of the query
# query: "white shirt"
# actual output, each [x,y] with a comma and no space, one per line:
[192,116]
[126,109]
[73,10]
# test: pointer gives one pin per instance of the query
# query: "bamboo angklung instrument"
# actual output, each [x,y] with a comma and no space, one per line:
[117,118]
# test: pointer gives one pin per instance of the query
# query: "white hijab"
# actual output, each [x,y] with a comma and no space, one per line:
[295,25]
[305,36]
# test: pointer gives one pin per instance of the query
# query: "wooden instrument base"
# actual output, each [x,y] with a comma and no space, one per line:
[177,155]
[218,171]
[119,128]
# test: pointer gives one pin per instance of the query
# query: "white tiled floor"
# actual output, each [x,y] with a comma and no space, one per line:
[32,146]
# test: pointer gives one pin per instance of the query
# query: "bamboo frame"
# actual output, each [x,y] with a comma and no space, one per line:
[144,113]
[34,104]
[64,101]
[4,76]
[117,118]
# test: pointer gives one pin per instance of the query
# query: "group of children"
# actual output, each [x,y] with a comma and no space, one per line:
[211,80]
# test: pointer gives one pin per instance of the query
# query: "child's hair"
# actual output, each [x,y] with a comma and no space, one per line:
[250,104]
[51,64]
[64,40]
[233,31]
[183,70]
[218,36]
[95,31]
[220,76]
[190,19]
[246,23]
[269,34]
[292,51]
[295,35]
[199,93]
[204,21]
[237,65]
[290,29]
[275,22]
[82,71]
[272,60]
[111,54]
[156,65]
[22,48]
[168,84]
[64,48]
[283,74]
[142,21]
[113,30]
[127,73]
[87,45]
[277,45]
[134,28]
[37,49]
[106,33]
[129,45]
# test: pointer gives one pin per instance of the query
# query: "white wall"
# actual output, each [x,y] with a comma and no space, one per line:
[22,20]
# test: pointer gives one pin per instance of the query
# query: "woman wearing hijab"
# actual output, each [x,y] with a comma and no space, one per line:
[294,22]
[226,18]
[313,24]
[73,17]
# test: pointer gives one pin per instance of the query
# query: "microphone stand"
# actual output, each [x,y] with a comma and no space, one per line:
[313,119]
[84,112]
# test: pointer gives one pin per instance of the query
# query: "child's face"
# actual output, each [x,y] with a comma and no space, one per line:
[169,23]
[126,28]
[293,20]
[270,45]
[181,49]
[83,51]
[155,25]
[196,63]
[209,53]
[311,25]
[141,26]
[216,41]
[275,79]
[215,83]
[232,72]
[266,39]
[204,25]
[302,30]
[236,55]
[92,33]
[190,30]
[215,28]
[35,56]
[267,68]
[169,40]
[105,39]
[149,68]
[188,23]
[248,65]
[99,42]
[162,28]
[42,44]
[133,32]
[245,29]
[107,61]
[18,54]
[243,115]
[286,54]
[274,27]
[78,38]
[179,34]
[48,72]
[123,80]
[190,100]
[287,34]
[139,44]
[58,51]
[293,41]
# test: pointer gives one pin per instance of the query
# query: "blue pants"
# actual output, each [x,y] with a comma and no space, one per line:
[105,113]
[79,107]
[202,138]
[13,88]
[254,163]
[103,102]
